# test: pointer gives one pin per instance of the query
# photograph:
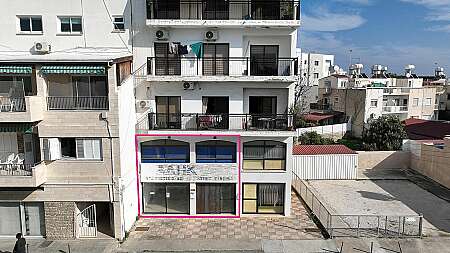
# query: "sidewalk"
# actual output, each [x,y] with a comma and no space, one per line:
[73,246]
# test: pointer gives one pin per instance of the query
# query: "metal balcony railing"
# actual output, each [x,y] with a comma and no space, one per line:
[199,121]
[9,104]
[77,103]
[221,66]
[223,10]
[320,107]
[11,169]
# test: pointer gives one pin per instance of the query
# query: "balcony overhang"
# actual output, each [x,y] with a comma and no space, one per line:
[191,23]
[268,79]
[32,179]
[268,133]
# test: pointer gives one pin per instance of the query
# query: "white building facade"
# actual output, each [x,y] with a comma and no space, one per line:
[65,87]
[215,85]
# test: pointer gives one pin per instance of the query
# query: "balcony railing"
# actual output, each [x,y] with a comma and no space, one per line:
[395,109]
[198,121]
[320,107]
[77,103]
[221,66]
[9,104]
[11,169]
[396,91]
[223,10]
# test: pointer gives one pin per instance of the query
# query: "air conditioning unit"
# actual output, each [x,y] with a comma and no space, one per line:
[143,104]
[42,47]
[211,35]
[188,85]
[162,34]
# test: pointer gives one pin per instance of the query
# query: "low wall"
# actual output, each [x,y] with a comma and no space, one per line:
[383,160]
[336,131]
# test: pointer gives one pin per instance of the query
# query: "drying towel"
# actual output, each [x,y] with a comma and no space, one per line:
[182,49]
[197,48]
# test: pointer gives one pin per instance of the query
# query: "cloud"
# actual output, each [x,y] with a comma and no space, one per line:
[440,28]
[323,20]
[361,2]
[439,10]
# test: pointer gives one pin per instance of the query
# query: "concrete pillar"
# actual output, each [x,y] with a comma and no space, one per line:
[193,198]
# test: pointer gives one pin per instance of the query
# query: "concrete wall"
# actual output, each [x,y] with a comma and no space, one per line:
[383,160]
[432,161]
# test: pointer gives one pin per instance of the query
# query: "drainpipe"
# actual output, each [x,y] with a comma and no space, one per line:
[104,118]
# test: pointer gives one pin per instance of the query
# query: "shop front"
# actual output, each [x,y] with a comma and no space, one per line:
[189,176]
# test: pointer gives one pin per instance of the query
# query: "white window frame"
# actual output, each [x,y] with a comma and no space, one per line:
[93,155]
[115,22]
[427,101]
[415,102]
[29,17]
[316,75]
[316,63]
[71,32]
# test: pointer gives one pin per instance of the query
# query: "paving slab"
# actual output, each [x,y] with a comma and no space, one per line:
[72,246]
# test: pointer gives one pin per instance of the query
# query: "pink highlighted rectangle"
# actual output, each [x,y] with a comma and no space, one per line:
[138,184]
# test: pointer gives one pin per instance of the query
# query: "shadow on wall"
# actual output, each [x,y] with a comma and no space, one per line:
[378,160]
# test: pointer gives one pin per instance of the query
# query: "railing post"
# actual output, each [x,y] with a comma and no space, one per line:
[357,230]
[247,65]
[196,120]
[398,230]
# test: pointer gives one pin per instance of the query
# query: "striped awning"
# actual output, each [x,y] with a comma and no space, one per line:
[15,69]
[16,127]
[74,69]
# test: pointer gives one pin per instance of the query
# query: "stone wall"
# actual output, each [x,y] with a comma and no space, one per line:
[59,220]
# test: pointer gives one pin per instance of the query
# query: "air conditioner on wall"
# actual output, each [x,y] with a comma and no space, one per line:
[42,47]
[188,85]
[143,103]
[211,35]
[162,34]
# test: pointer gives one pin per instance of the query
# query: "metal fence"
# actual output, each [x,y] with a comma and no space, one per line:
[11,169]
[345,225]
[221,66]
[200,121]
[225,10]
[10,104]
[77,103]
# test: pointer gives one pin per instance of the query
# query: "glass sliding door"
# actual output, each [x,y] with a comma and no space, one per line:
[216,59]
[216,198]
[10,219]
[166,63]
[166,198]
[34,219]
[263,198]
[168,112]
[264,60]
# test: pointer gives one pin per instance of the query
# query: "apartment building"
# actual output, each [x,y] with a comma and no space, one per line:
[364,98]
[439,80]
[67,141]
[315,66]
[216,80]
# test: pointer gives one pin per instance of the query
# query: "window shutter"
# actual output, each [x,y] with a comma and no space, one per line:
[46,149]
[96,149]
[80,148]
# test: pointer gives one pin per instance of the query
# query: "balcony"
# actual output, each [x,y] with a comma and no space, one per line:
[77,103]
[22,175]
[396,91]
[395,109]
[223,13]
[205,122]
[221,69]
[21,109]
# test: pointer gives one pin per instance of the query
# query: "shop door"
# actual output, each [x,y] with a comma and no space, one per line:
[216,198]
[166,198]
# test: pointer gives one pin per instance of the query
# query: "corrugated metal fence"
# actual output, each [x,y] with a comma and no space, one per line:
[326,167]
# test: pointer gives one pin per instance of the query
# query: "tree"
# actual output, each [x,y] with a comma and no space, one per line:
[301,95]
[313,138]
[384,133]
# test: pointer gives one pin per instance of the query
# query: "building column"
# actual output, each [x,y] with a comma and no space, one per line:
[192,199]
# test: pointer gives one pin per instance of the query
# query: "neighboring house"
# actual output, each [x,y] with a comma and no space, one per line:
[419,129]
[364,98]
[439,80]
[64,120]
[214,95]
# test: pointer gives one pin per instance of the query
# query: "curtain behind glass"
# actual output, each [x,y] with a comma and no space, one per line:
[34,219]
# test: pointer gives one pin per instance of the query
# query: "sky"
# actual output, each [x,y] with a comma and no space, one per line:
[393,33]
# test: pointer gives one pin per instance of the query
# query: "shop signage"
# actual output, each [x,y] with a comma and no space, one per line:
[189,173]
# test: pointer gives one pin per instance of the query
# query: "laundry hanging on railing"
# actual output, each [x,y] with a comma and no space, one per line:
[197,49]
[173,48]
[183,49]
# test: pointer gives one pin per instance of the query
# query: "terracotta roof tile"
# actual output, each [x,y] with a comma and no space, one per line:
[321,150]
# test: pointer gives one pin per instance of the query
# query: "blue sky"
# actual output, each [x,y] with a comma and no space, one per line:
[388,32]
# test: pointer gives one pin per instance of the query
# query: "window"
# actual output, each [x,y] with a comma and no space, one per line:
[77,148]
[328,63]
[427,101]
[168,112]
[119,23]
[264,155]
[316,63]
[306,62]
[24,217]
[373,103]
[415,102]
[316,75]
[263,198]
[30,24]
[165,151]
[215,152]
[70,25]
[215,59]
[448,96]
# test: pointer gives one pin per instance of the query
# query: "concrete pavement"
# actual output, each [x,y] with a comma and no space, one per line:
[74,246]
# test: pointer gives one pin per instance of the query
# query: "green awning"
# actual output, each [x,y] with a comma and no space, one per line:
[15,69]
[16,127]
[74,69]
